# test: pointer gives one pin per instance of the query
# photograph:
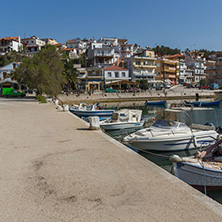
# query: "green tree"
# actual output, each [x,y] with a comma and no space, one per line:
[43,72]
[203,82]
[163,50]
[71,74]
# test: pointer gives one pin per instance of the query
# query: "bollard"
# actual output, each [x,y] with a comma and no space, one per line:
[94,123]
[65,107]
[56,102]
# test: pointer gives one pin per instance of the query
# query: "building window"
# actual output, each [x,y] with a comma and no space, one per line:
[109,74]
[116,74]
[123,74]
[137,62]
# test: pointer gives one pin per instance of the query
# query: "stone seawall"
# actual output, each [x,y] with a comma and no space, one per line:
[149,95]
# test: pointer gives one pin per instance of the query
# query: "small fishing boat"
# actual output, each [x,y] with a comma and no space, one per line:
[123,119]
[202,171]
[166,135]
[84,110]
[155,103]
[202,103]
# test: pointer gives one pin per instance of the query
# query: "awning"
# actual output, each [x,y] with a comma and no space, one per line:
[118,82]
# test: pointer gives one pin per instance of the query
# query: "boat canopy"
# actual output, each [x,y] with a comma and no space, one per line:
[127,115]
[168,124]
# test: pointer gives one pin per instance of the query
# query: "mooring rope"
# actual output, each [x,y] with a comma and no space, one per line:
[152,153]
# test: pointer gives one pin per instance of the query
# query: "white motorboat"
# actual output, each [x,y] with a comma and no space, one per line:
[84,110]
[170,136]
[123,119]
[202,171]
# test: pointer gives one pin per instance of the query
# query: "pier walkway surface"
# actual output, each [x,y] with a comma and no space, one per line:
[52,168]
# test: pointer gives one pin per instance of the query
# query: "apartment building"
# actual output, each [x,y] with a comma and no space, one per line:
[214,68]
[167,70]
[142,66]
[184,74]
[123,50]
[100,55]
[196,63]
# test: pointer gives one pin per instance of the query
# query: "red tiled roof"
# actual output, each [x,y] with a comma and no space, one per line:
[10,39]
[115,68]
[67,49]
[71,40]
[176,56]
[122,40]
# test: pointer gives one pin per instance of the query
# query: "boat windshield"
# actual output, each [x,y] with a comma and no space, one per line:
[115,116]
[166,123]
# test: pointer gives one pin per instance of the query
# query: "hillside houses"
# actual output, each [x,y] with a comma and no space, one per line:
[110,59]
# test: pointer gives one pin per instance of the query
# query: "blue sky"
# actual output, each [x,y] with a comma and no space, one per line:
[193,24]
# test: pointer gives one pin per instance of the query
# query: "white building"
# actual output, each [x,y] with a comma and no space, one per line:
[115,73]
[7,70]
[100,55]
[123,50]
[108,41]
[185,74]
[78,44]
[33,44]
[142,66]
[10,44]
[196,64]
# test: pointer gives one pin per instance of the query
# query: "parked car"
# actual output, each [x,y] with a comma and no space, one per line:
[134,89]
[111,90]
[214,86]
[203,87]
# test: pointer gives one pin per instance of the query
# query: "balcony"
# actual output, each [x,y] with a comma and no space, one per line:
[110,55]
[145,66]
[169,69]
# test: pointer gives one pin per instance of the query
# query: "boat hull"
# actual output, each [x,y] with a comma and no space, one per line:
[200,104]
[197,176]
[174,143]
[100,113]
[155,103]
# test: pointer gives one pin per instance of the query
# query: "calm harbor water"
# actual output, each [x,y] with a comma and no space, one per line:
[212,115]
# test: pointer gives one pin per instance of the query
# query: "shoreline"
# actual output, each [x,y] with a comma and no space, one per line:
[126,97]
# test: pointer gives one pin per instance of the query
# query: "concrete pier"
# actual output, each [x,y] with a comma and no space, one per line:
[177,92]
[52,168]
